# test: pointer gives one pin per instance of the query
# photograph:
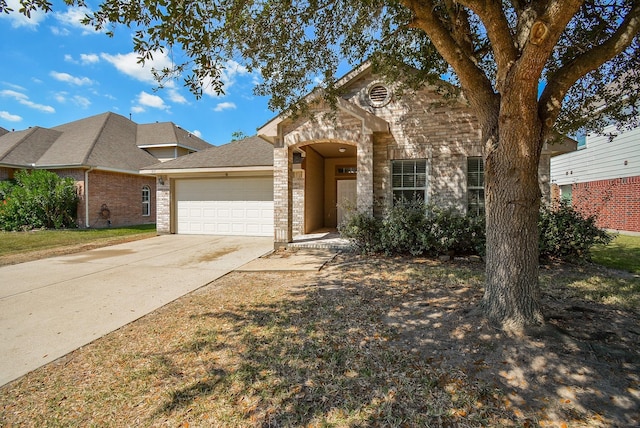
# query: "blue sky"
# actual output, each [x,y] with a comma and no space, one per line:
[53,70]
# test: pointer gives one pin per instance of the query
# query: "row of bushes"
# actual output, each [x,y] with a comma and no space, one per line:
[37,199]
[417,229]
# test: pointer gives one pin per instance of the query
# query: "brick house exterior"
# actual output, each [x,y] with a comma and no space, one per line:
[103,154]
[602,179]
[374,138]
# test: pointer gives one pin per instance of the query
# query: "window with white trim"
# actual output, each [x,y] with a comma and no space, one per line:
[565,193]
[146,201]
[409,180]
[475,185]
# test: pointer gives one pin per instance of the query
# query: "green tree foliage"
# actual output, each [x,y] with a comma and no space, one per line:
[529,69]
[37,199]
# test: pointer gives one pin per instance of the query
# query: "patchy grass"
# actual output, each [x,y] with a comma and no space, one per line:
[23,246]
[622,253]
[367,342]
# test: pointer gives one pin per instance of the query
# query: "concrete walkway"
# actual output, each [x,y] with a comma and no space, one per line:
[50,307]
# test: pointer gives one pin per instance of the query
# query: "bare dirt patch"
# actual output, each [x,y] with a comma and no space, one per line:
[364,342]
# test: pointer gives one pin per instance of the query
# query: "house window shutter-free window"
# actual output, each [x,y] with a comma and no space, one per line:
[146,201]
[475,185]
[409,180]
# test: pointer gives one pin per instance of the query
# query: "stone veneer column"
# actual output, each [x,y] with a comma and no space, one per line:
[163,206]
[282,196]
[365,174]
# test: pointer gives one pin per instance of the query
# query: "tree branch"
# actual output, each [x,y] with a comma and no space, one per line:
[476,85]
[499,33]
[561,81]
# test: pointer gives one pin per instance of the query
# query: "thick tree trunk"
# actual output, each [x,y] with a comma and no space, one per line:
[511,298]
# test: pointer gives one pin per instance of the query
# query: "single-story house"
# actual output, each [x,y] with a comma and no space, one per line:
[377,147]
[103,154]
[602,179]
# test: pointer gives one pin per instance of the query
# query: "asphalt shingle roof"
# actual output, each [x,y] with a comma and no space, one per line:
[168,133]
[252,151]
[106,140]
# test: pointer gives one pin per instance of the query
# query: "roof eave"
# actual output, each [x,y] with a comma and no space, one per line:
[206,170]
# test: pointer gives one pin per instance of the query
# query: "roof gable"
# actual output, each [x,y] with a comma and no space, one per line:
[168,134]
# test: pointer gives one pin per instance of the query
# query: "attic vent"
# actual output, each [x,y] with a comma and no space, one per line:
[379,95]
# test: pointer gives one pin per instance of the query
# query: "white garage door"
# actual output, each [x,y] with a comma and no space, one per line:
[225,206]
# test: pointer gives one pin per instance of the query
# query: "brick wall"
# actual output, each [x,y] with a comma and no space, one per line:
[5,173]
[298,201]
[121,194]
[615,202]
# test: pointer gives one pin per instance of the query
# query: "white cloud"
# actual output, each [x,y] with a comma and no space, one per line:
[229,76]
[58,31]
[129,65]
[71,18]
[61,97]
[176,97]
[10,117]
[14,86]
[66,77]
[150,100]
[24,100]
[81,101]
[19,20]
[197,133]
[137,109]
[89,58]
[225,106]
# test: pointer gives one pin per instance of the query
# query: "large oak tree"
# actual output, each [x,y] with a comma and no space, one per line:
[528,68]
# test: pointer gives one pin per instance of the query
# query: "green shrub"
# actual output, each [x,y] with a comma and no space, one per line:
[38,199]
[566,234]
[402,229]
[415,228]
[363,230]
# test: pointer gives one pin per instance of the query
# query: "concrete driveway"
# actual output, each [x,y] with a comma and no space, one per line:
[53,306]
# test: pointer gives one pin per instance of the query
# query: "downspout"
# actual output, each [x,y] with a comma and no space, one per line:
[86,196]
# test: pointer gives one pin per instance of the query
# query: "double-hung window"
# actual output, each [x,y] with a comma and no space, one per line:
[475,185]
[409,180]
[146,201]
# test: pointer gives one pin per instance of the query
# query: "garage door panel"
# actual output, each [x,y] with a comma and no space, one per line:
[225,206]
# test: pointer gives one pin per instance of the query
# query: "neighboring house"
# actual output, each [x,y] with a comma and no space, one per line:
[103,154]
[377,147]
[224,190]
[603,179]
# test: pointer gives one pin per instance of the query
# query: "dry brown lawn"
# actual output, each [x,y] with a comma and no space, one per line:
[365,342]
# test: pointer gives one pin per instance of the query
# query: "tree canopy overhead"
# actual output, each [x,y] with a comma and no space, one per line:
[528,68]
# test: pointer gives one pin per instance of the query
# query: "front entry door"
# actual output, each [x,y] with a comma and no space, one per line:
[347,196]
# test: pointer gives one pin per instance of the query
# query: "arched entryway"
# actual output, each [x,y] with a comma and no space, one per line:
[325,184]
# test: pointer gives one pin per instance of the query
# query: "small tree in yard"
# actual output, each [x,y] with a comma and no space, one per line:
[38,199]
[528,68]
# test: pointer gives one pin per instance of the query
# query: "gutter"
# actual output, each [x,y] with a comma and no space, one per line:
[86,196]
[170,171]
